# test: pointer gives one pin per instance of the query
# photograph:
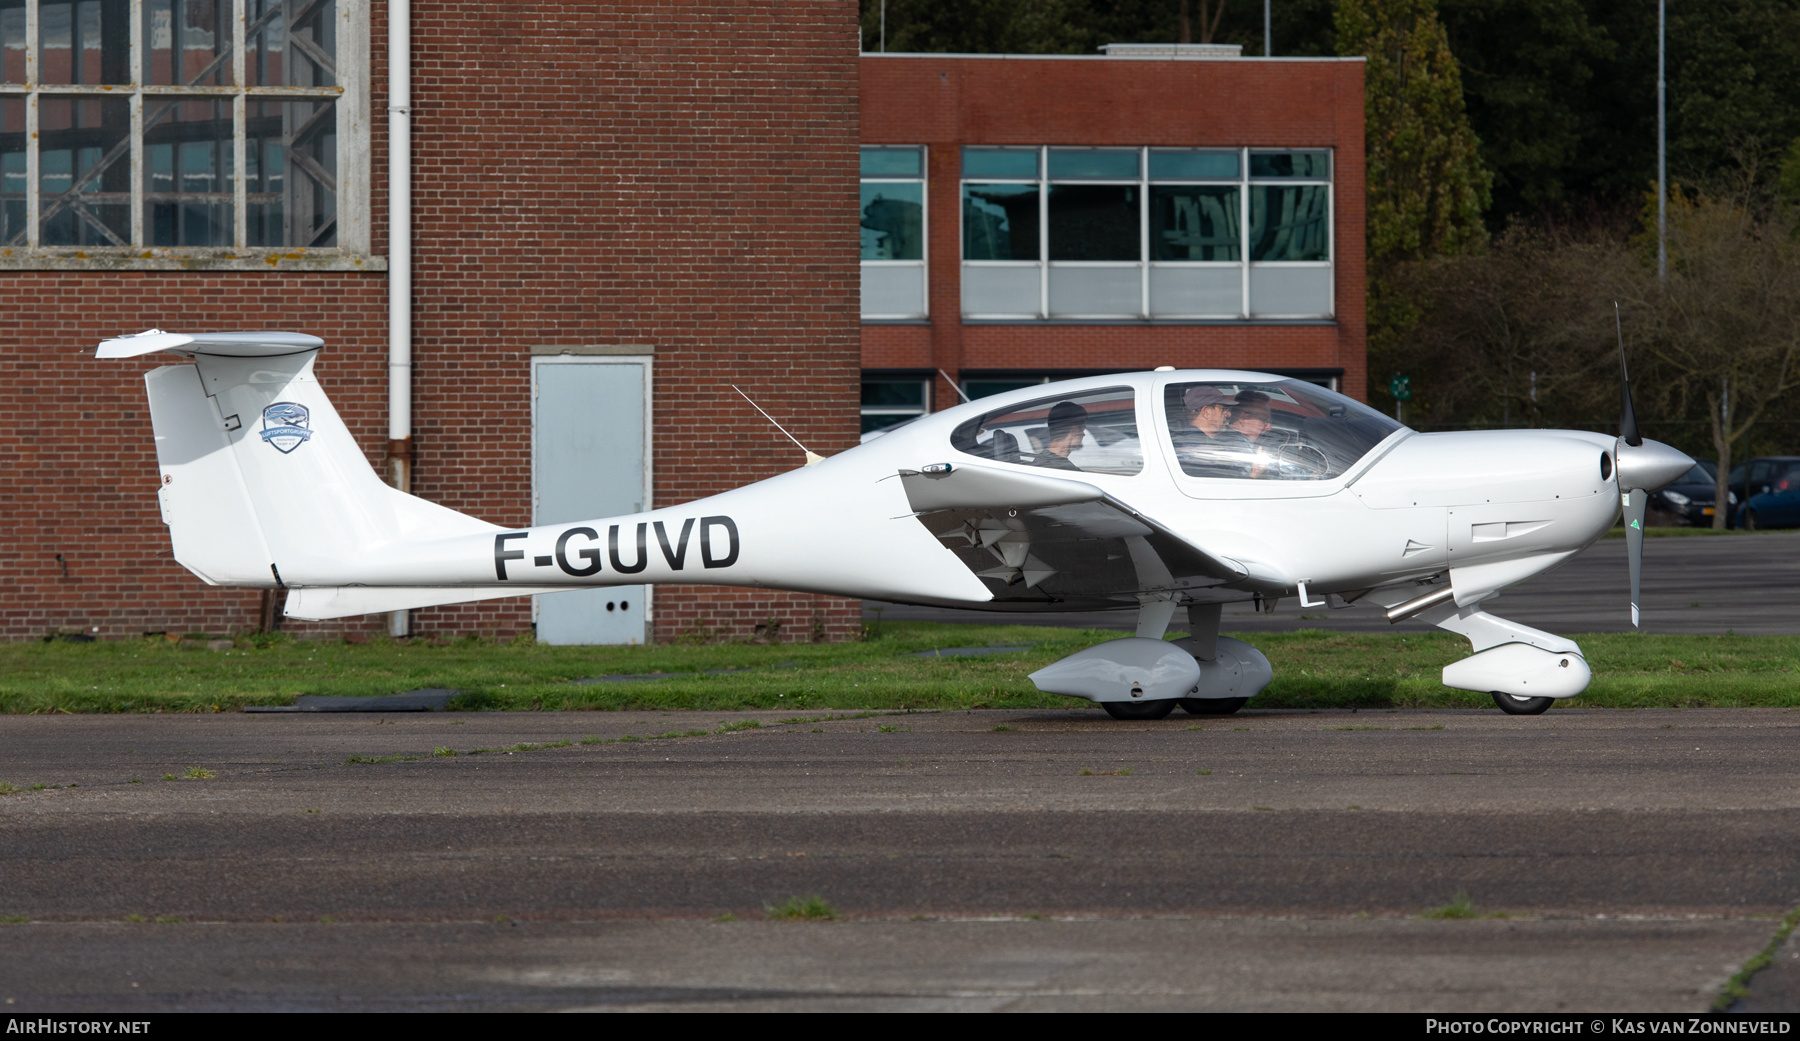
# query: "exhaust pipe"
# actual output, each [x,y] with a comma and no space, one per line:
[1402,612]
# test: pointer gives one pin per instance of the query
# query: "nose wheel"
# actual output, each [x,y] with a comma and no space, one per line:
[1513,705]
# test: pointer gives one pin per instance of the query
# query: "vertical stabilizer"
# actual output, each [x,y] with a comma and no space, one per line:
[212,525]
[261,481]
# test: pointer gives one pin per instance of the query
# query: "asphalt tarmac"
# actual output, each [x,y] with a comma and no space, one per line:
[1041,860]
[1743,583]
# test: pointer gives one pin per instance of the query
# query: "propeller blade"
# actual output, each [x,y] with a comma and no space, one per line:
[1635,502]
[1642,469]
[1628,424]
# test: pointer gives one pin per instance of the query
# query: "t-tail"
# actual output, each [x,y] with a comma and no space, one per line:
[262,484]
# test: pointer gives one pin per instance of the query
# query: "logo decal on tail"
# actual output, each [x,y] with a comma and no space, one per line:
[285,425]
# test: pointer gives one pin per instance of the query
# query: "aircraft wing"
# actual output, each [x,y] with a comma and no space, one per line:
[1041,539]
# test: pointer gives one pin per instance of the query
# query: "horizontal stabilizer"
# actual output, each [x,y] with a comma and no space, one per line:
[228,345]
[322,603]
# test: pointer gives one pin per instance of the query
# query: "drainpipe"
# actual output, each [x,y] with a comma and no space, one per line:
[400,261]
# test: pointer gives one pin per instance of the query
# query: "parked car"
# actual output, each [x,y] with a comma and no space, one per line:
[1779,507]
[1757,476]
[1689,501]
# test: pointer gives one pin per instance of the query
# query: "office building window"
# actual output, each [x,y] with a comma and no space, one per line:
[1146,233]
[893,232]
[189,130]
[889,401]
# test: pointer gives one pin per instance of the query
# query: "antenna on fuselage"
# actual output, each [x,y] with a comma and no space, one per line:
[811,456]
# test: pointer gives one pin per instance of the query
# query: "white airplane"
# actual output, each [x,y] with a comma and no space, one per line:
[1161,490]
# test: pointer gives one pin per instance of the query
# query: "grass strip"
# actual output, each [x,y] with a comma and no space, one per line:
[1313,669]
[802,909]
[1739,985]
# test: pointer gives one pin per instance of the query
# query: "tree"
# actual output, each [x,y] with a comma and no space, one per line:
[1517,335]
[1724,332]
[1527,68]
[1427,186]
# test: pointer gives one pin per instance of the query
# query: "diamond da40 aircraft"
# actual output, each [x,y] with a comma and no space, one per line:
[1163,491]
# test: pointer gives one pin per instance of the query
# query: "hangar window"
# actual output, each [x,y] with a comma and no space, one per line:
[213,133]
[1112,234]
[893,232]
[1091,432]
[1285,430]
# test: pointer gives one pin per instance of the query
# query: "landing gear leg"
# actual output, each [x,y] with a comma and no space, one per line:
[1203,630]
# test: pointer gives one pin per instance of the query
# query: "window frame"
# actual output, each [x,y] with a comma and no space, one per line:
[1243,183]
[923,264]
[1242,489]
[1025,403]
[1330,261]
[906,412]
[350,97]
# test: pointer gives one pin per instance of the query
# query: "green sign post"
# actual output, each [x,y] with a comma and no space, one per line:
[1401,389]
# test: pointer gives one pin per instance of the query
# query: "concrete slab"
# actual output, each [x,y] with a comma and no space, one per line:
[1256,965]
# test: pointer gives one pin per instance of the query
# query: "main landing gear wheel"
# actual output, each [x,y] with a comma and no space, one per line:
[1513,705]
[1138,709]
[1211,706]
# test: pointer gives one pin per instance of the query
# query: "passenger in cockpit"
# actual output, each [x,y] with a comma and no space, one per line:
[1206,446]
[1250,421]
[1250,414]
[1209,410]
[1068,425]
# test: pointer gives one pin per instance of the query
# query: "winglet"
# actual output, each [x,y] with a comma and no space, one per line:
[150,341]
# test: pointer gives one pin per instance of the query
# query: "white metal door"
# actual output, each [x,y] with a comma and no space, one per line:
[590,458]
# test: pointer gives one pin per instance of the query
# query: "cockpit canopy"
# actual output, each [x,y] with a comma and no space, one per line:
[1280,429]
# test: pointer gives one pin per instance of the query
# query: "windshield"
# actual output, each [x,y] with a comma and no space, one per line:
[1093,432]
[1286,430]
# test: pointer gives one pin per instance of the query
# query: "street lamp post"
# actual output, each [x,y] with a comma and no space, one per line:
[1662,148]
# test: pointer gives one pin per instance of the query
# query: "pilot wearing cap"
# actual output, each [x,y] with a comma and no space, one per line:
[1209,412]
[1068,425]
[1206,446]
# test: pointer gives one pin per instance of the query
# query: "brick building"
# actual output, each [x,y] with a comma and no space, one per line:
[669,186]
[1156,205]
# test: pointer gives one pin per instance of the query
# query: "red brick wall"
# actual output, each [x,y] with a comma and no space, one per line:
[76,447]
[946,103]
[677,174]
